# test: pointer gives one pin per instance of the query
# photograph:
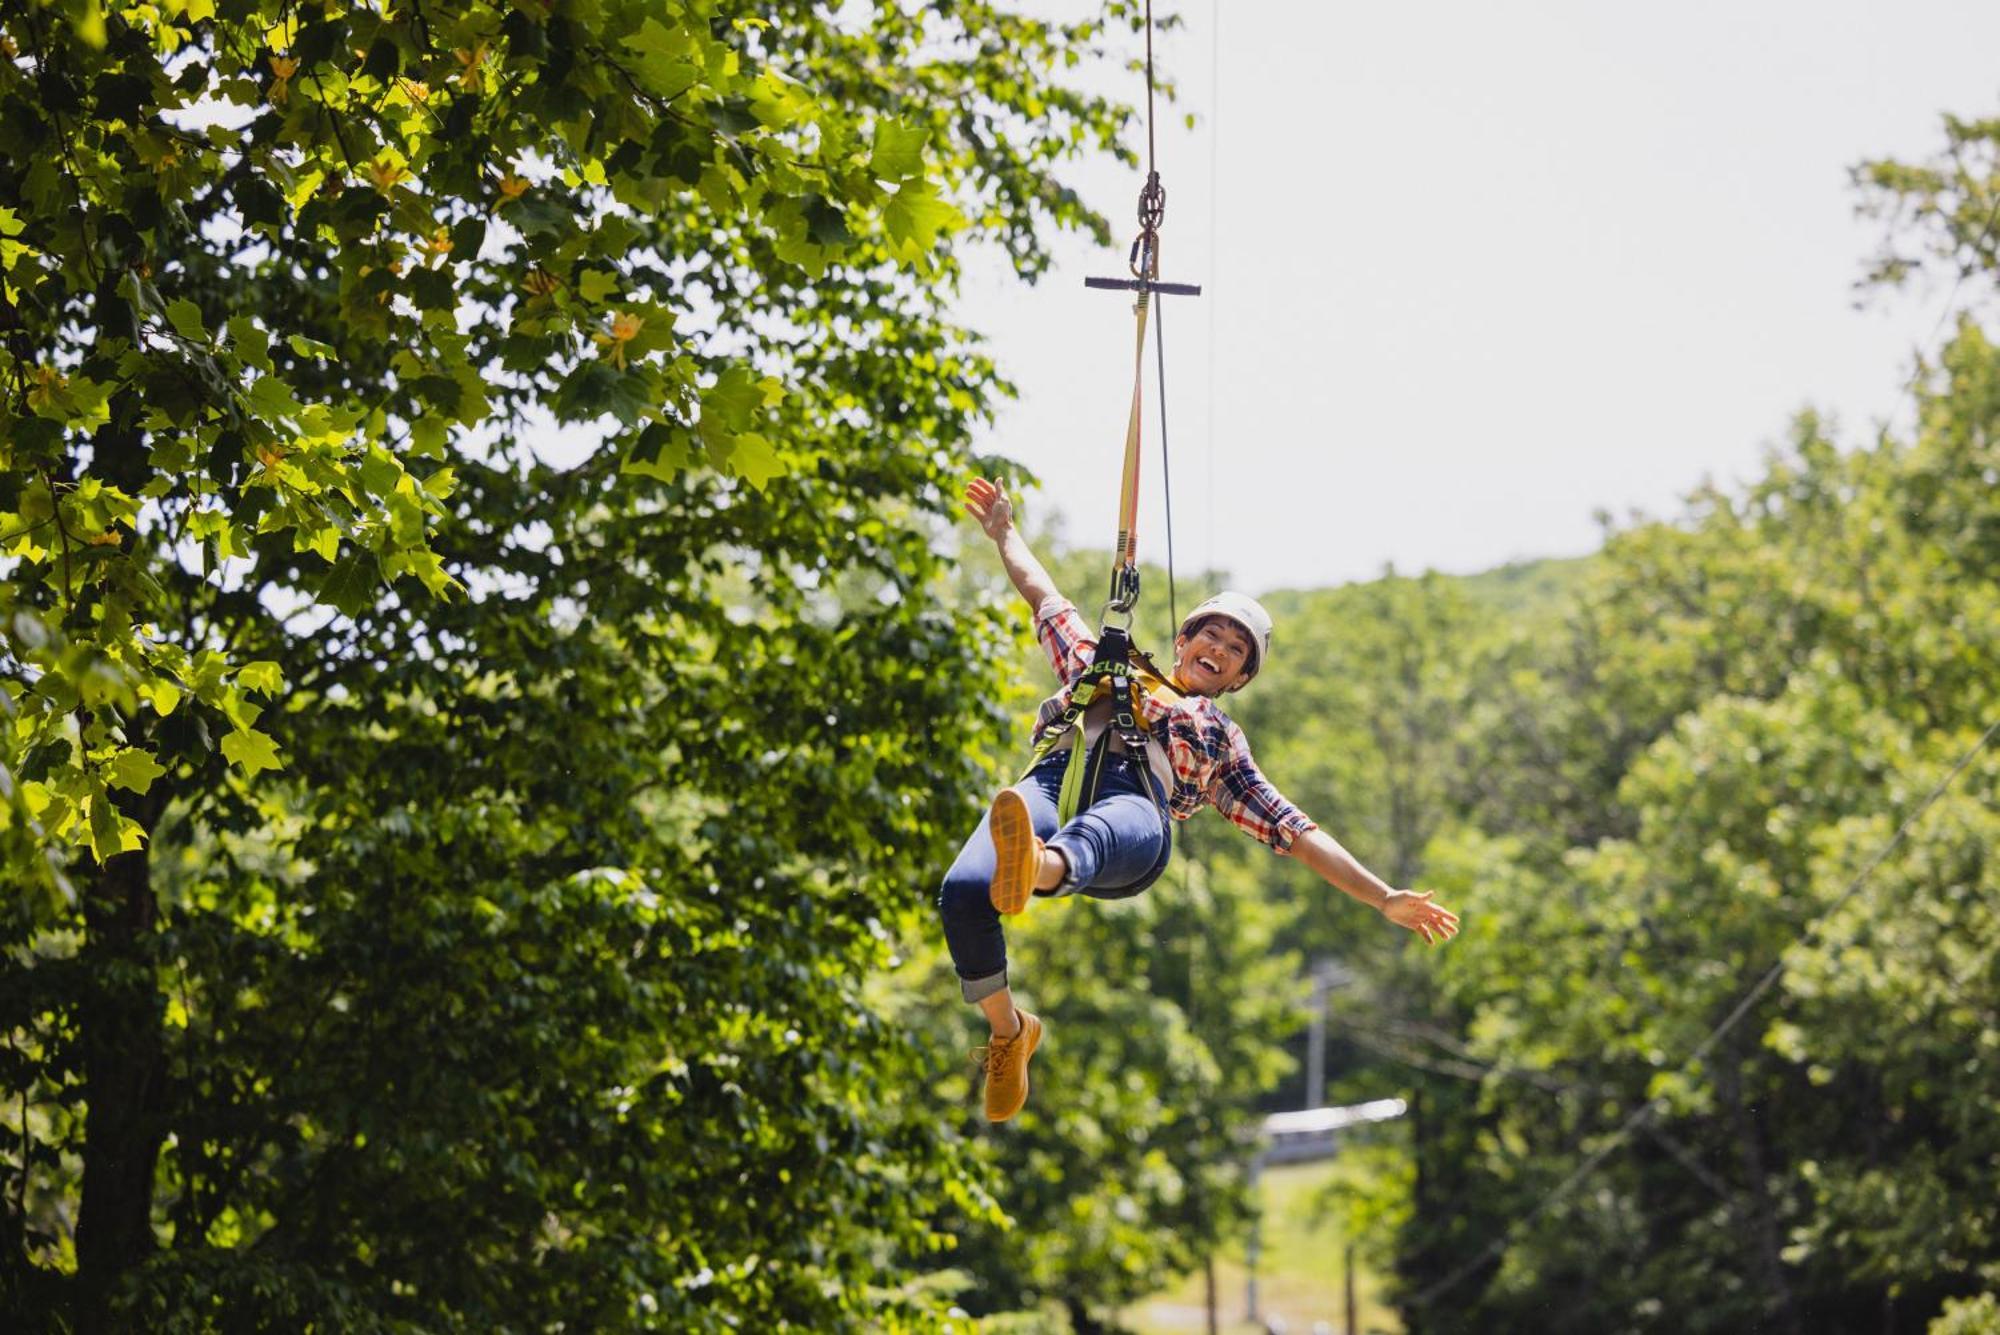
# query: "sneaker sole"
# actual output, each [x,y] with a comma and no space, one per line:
[1015,851]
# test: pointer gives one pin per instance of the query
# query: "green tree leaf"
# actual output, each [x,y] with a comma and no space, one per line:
[915,217]
[133,769]
[754,460]
[897,152]
[350,585]
[250,749]
[663,55]
[185,317]
[264,677]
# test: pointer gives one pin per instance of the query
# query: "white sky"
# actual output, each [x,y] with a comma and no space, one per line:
[1474,271]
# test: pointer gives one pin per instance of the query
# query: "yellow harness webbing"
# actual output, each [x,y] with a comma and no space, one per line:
[1125,563]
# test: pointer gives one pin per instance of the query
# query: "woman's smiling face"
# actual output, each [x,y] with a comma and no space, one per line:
[1213,657]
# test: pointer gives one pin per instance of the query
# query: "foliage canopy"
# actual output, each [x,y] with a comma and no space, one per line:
[475,709]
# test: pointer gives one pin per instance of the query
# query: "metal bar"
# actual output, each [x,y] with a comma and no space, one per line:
[1138,284]
[1252,1248]
[1316,1043]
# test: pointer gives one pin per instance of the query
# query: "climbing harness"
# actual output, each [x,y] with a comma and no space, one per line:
[1119,670]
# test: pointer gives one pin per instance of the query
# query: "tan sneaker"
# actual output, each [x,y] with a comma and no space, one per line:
[1017,853]
[1007,1069]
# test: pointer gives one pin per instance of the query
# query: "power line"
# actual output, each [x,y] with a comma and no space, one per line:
[1651,1107]
[1951,298]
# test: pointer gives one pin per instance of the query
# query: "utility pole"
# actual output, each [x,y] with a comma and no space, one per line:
[1316,1043]
[1255,1244]
[1327,974]
[1353,1326]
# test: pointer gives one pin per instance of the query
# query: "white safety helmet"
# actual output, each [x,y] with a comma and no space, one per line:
[1239,609]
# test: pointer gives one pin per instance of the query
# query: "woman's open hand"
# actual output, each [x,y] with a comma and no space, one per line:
[987,502]
[1413,909]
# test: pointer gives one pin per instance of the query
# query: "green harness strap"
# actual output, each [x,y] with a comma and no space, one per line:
[1069,799]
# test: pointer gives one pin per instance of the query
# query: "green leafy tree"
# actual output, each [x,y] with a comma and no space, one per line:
[476,710]
[1691,770]
[1781,680]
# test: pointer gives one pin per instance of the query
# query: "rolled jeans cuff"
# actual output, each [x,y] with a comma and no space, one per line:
[1069,884]
[977,990]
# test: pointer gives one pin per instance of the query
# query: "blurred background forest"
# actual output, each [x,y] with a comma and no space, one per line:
[452,888]
[1652,780]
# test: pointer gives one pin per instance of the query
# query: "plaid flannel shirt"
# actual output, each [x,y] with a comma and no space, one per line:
[1208,753]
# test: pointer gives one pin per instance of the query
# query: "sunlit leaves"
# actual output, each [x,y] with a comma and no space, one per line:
[132,769]
[915,217]
[897,152]
[668,61]
[515,774]
[251,749]
[753,459]
[11,250]
[264,677]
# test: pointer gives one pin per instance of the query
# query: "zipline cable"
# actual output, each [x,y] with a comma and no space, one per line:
[1214,250]
[1117,665]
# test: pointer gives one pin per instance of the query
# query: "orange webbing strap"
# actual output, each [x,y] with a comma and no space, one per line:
[1127,558]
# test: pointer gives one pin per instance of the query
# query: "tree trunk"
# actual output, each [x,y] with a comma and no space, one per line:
[1081,1322]
[1765,1244]
[122,1023]
[1415,1267]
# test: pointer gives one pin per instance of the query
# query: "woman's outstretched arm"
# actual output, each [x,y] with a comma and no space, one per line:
[1340,869]
[987,502]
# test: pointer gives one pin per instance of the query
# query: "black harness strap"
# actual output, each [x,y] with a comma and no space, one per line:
[1115,667]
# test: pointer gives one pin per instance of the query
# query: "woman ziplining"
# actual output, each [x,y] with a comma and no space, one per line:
[1123,750]
[1128,783]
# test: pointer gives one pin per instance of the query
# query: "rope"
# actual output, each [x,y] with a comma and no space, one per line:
[1125,562]
[1150,155]
[1166,464]
[1145,265]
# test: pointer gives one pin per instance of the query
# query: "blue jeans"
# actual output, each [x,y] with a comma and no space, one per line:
[1115,849]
